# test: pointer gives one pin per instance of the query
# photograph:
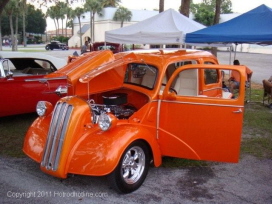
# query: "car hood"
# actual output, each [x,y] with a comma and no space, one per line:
[83,64]
[107,66]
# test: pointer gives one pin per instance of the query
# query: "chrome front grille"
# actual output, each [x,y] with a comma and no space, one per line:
[55,137]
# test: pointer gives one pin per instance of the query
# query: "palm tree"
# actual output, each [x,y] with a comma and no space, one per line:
[93,6]
[161,6]
[52,13]
[122,14]
[62,12]
[185,7]
[110,3]
[69,17]
[3,3]
[217,11]
[11,9]
[78,12]
[24,11]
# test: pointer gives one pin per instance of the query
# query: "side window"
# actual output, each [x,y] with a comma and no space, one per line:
[205,82]
[172,67]
[44,64]
[186,83]
[170,70]
[185,62]
[211,76]
[141,74]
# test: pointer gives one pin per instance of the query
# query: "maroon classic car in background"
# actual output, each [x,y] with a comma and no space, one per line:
[114,47]
[22,82]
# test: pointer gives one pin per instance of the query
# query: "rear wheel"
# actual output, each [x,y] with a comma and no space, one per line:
[132,168]
[47,47]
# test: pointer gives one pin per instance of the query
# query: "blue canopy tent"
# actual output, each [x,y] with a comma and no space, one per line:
[254,27]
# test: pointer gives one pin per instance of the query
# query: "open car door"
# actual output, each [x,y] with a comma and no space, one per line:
[198,119]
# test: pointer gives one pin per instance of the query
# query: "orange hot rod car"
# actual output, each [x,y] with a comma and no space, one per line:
[133,108]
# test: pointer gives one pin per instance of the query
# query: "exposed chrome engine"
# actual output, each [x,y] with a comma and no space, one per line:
[114,103]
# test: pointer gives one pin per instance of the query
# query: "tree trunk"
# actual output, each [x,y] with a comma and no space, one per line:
[66,27]
[216,21]
[16,34]
[11,31]
[80,34]
[62,27]
[91,27]
[24,24]
[217,12]
[93,37]
[161,6]
[56,27]
[185,7]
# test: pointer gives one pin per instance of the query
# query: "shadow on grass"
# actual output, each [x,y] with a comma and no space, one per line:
[12,133]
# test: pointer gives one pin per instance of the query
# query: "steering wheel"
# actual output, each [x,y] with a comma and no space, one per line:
[171,88]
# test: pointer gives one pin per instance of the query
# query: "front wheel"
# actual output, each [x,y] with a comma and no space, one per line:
[132,169]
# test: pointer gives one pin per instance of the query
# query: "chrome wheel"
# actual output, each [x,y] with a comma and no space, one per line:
[132,168]
[133,165]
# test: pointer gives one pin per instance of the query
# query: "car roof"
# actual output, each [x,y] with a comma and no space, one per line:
[58,62]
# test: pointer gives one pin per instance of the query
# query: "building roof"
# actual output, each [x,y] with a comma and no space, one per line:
[84,28]
[108,13]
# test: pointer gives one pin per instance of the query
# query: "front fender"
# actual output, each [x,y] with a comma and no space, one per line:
[35,138]
[98,153]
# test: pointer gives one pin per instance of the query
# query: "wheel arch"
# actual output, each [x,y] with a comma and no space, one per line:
[98,153]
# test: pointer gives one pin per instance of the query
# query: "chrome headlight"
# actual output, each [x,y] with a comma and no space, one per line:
[104,121]
[44,108]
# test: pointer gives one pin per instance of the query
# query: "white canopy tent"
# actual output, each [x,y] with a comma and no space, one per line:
[168,27]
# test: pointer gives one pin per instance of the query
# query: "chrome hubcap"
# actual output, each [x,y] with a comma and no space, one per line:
[133,165]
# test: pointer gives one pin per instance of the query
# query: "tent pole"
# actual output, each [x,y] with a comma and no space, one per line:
[235,51]
[230,50]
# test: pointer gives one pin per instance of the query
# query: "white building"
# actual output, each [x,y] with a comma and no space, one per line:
[103,23]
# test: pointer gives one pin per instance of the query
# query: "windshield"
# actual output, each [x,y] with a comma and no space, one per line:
[141,74]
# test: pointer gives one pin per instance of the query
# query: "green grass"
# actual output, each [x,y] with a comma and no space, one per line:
[12,132]
[258,129]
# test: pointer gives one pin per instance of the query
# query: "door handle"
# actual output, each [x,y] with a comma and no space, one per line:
[238,111]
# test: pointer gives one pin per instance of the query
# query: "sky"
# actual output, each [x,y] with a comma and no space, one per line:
[238,6]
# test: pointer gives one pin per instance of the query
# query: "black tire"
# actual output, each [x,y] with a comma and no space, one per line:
[47,47]
[128,161]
